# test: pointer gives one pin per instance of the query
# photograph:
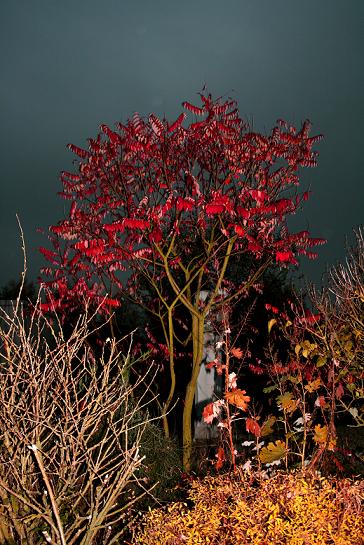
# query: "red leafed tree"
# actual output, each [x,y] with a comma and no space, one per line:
[170,205]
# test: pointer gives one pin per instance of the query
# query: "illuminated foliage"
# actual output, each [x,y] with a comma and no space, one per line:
[169,205]
[287,509]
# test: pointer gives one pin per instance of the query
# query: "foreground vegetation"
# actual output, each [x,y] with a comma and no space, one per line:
[244,508]
[71,456]
[81,457]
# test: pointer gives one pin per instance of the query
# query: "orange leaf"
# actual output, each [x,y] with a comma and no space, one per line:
[237,353]
[313,385]
[238,398]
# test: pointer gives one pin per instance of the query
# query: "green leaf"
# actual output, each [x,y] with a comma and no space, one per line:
[269,389]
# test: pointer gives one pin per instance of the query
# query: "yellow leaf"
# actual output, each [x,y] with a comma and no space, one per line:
[267,426]
[272,452]
[313,385]
[297,349]
[287,402]
[321,360]
[320,436]
[271,324]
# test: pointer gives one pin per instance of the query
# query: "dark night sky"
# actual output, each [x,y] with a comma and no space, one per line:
[68,66]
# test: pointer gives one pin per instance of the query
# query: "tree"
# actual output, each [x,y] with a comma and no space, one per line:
[170,205]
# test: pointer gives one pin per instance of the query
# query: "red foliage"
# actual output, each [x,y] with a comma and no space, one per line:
[220,458]
[253,427]
[148,195]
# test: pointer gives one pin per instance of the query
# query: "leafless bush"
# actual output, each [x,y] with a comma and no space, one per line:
[340,331]
[347,283]
[70,435]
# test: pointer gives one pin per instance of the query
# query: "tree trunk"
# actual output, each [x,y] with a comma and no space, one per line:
[197,343]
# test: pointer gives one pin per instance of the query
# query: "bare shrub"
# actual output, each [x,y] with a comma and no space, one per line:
[70,434]
[343,312]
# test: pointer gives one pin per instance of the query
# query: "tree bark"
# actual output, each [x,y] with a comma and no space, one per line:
[198,323]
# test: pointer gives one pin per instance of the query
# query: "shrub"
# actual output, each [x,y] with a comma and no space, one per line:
[71,430]
[163,463]
[288,508]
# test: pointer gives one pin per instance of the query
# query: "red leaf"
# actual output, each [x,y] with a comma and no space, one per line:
[156,124]
[49,255]
[284,257]
[156,235]
[212,410]
[113,136]
[114,227]
[312,318]
[111,302]
[208,413]
[220,458]
[306,195]
[136,223]
[239,230]
[316,241]
[198,125]
[243,212]
[194,109]
[259,196]
[78,151]
[177,123]
[339,391]
[184,204]
[214,208]
[253,427]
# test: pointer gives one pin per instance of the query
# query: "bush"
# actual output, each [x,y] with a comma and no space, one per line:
[162,465]
[288,508]
[71,431]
